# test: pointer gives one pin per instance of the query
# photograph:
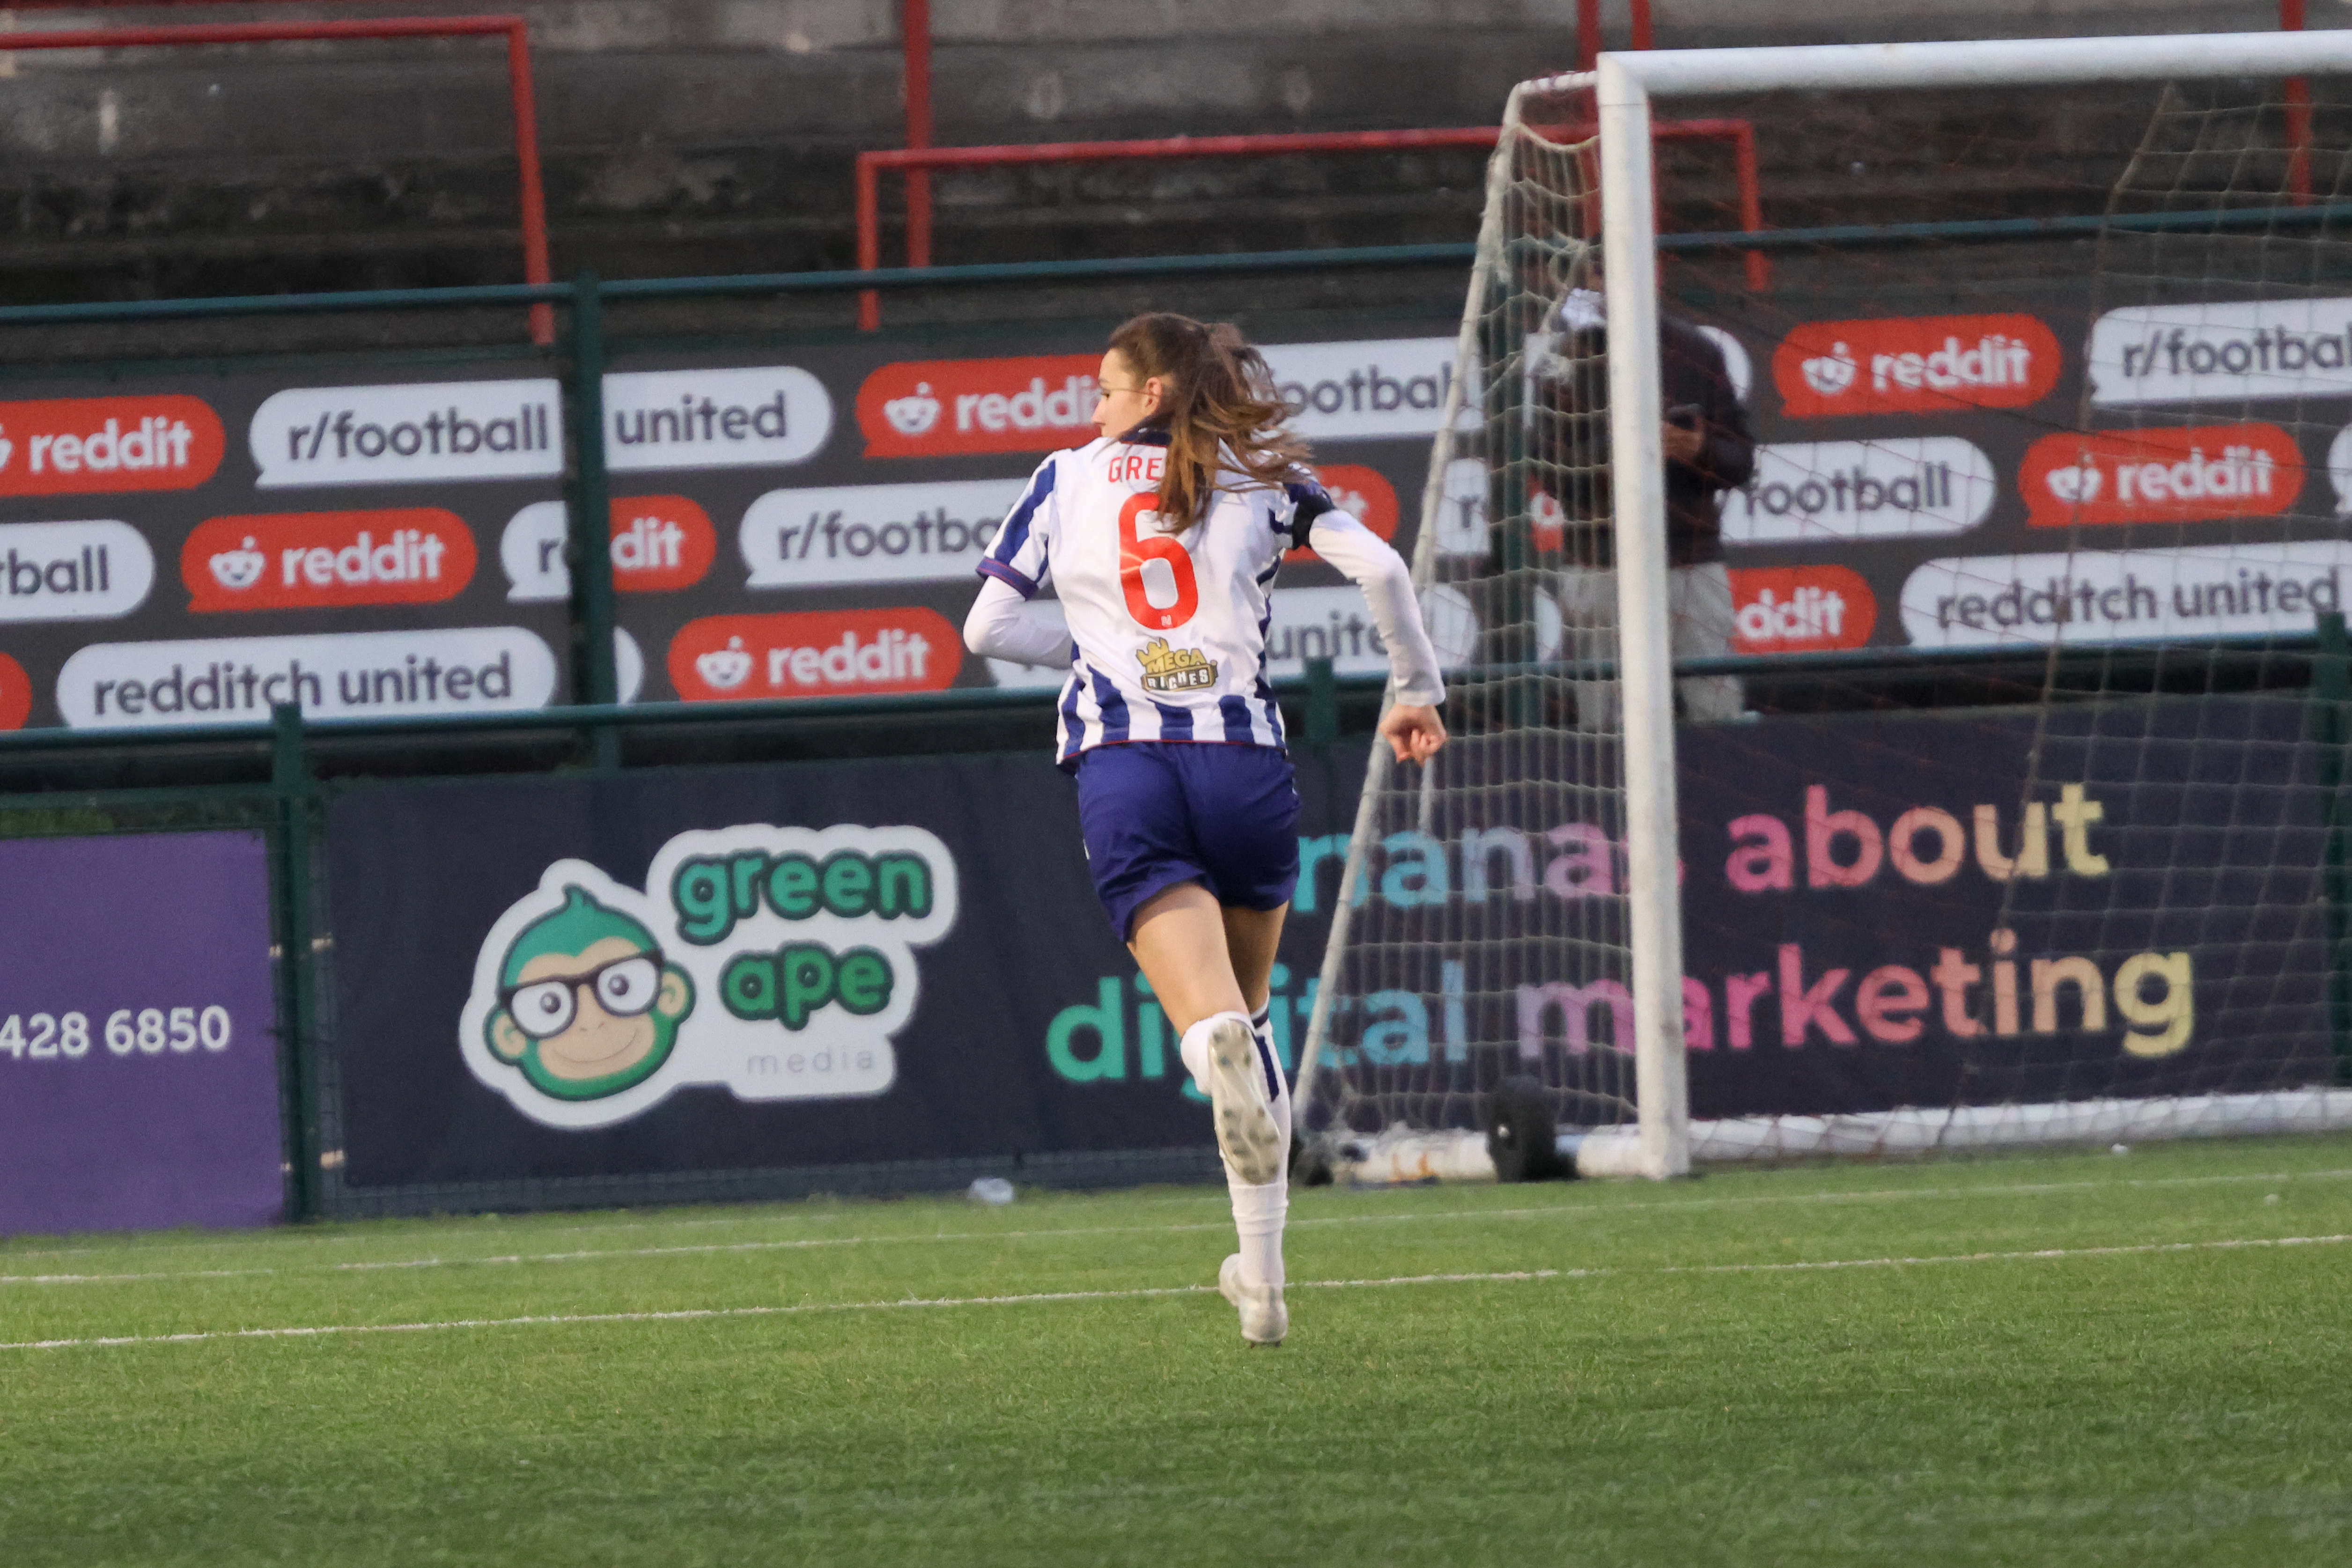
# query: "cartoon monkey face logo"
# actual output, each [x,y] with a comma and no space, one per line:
[582,1010]
[587,1006]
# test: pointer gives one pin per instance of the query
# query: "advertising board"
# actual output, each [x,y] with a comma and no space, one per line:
[1947,464]
[286,516]
[190,553]
[848,963]
[823,963]
[137,1034]
[862,523]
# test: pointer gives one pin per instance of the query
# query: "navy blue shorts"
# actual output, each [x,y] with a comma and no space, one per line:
[1160,813]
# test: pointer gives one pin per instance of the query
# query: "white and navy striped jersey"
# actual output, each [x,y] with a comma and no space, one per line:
[1168,631]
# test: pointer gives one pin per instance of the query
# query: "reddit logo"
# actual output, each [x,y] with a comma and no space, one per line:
[724,669]
[1830,374]
[1916,364]
[2077,483]
[2190,474]
[240,569]
[914,414]
[316,560]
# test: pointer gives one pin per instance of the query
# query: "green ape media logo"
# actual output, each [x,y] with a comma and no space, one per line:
[587,1006]
[775,962]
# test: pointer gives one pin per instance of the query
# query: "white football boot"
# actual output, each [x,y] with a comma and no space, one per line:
[1246,1130]
[1264,1320]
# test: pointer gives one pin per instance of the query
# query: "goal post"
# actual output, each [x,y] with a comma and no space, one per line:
[1644,755]
[1503,990]
[1637,475]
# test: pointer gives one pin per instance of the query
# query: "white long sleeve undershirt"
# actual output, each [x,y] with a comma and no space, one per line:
[998,627]
[1386,584]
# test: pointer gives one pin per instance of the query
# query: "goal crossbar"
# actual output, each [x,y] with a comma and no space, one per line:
[1998,62]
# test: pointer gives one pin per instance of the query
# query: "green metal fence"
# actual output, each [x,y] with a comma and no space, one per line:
[286,797]
[278,784]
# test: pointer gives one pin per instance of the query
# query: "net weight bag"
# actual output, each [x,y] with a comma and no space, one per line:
[1520,1135]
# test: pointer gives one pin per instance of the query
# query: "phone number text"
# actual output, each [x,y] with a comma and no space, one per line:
[127,1031]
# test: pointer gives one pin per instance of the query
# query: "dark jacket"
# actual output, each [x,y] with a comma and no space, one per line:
[1570,439]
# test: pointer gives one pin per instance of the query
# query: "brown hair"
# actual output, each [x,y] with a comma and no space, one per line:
[1220,407]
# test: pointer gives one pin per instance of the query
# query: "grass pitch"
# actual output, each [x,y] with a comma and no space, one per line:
[2078,1359]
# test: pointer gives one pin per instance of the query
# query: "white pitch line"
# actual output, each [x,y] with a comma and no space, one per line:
[709,1247]
[1410,1216]
[1518,1276]
[536,1224]
[588,1255]
[2017,1189]
[2038,1253]
[134,1279]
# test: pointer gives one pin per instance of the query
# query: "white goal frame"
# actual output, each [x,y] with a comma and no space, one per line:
[1623,85]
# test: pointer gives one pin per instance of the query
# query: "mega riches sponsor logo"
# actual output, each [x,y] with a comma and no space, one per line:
[775,962]
[295,561]
[73,571]
[1369,389]
[347,674]
[1799,610]
[16,694]
[723,658]
[1915,365]
[1895,488]
[2119,596]
[939,408]
[873,533]
[2235,352]
[407,434]
[765,416]
[92,445]
[2160,475]
[1363,494]
[659,544]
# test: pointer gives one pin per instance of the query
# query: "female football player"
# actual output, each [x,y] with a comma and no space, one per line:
[1162,540]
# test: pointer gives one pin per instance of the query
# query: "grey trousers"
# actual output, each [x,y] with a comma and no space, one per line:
[1699,625]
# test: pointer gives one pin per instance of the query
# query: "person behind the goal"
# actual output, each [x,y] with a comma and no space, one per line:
[1162,540]
[1707,449]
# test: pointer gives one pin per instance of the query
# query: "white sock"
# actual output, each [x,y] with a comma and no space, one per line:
[1258,1212]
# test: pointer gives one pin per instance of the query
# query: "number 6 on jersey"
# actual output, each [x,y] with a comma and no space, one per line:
[1174,582]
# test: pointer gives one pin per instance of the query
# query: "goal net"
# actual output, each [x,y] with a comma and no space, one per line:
[1484,899]
[1993,707]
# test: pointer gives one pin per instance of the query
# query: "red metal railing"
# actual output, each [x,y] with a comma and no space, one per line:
[2298,114]
[915,160]
[1588,29]
[1739,133]
[515,30]
[915,38]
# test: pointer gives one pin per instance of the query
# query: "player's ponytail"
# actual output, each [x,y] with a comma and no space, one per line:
[1220,405]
